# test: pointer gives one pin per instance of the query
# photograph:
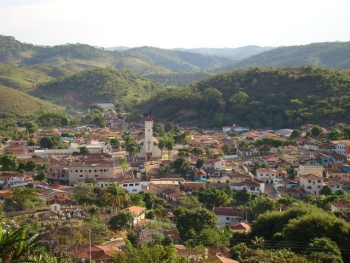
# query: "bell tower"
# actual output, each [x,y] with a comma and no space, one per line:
[148,142]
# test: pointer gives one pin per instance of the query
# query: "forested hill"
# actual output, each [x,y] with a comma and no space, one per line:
[179,60]
[327,54]
[14,103]
[235,53]
[258,97]
[81,56]
[97,86]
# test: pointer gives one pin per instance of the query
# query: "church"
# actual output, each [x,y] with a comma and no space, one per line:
[149,144]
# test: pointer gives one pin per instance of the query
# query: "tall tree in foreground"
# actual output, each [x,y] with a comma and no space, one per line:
[116,195]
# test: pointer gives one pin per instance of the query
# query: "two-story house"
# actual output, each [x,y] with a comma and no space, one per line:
[311,184]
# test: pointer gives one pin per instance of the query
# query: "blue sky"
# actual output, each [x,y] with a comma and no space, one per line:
[180,23]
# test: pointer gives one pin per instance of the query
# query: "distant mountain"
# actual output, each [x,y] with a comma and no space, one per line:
[14,103]
[99,85]
[326,54]
[78,56]
[120,48]
[236,53]
[179,60]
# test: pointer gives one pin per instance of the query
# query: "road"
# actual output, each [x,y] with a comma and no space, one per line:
[270,191]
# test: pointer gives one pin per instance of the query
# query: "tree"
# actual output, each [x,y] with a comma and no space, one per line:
[84,194]
[197,151]
[147,254]
[213,197]
[161,145]
[191,222]
[326,190]
[258,242]
[30,165]
[239,98]
[181,166]
[335,135]
[316,131]
[169,145]
[8,162]
[212,238]
[168,127]
[123,163]
[295,134]
[122,221]
[200,162]
[46,143]
[84,150]
[116,195]
[115,143]
[258,205]
[41,176]
[19,245]
[149,200]
[323,250]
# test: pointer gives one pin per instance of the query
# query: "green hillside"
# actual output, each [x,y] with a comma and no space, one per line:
[82,56]
[327,54]
[179,60]
[178,78]
[258,97]
[14,103]
[235,53]
[98,85]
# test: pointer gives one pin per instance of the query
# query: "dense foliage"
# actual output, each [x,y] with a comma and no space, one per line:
[258,97]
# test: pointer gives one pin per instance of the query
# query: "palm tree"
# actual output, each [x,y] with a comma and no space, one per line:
[116,195]
[18,245]
[258,242]
[123,163]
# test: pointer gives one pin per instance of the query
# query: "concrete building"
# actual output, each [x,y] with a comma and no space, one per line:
[149,144]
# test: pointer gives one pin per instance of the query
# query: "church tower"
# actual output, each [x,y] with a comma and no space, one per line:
[148,142]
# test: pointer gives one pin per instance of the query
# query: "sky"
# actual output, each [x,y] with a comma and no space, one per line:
[175,24]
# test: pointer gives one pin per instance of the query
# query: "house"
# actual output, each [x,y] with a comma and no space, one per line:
[190,186]
[315,169]
[240,227]
[254,186]
[267,175]
[146,235]
[100,254]
[238,177]
[49,195]
[214,164]
[9,179]
[311,146]
[338,157]
[271,161]
[341,206]
[138,211]
[228,215]
[130,184]
[158,186]
[322,159]
[311,184]
[171,195]
[342,147]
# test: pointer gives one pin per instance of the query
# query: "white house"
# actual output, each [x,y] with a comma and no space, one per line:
[254,186]
[215,164]
[345,206]
[311,146]
[312,184]
[138,211]
[342,147]
[130,184]
[14,179]
[228,215]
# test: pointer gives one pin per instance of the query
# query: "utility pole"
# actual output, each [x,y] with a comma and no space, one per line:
[89,245]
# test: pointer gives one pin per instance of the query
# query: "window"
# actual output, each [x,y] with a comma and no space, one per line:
[137,184]
[309,181]
[95,171]
[319,186]
[62,175]
[81,171]
[89,171]
[134,190]
[131,184]
[96,175]
[125,185]
[319,181]
[50,169]
[227,218]
[76,171]
[80,175]
[309,187]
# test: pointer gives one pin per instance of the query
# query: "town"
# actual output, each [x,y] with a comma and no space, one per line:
[203,191]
